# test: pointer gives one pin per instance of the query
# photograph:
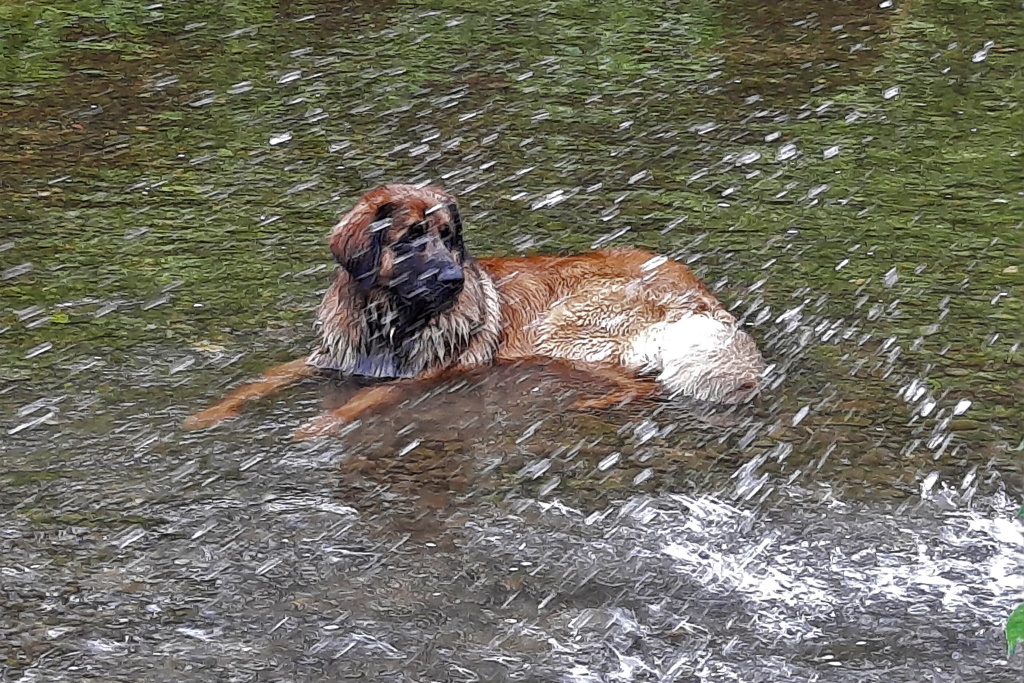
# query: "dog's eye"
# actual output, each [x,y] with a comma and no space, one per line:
[447,236]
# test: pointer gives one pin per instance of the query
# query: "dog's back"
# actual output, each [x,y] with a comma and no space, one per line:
[629,308]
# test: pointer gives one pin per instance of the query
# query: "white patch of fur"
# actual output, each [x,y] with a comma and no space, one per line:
[691,335]
[697,355]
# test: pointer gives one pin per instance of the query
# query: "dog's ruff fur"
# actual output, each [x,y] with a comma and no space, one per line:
[467,334]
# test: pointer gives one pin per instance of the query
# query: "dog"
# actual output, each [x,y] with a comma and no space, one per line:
[408,303]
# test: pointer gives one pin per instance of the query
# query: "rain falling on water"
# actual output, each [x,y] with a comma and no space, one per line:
[845,176]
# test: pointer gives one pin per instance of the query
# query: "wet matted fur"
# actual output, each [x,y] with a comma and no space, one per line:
[408,302]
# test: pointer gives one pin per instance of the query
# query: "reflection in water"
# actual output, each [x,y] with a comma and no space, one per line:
[844,173]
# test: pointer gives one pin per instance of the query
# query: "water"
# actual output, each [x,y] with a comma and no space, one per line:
[846,176]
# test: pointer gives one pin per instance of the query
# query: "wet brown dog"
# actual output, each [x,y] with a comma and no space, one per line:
[408,302]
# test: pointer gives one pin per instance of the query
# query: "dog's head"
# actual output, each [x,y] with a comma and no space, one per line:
[406,241]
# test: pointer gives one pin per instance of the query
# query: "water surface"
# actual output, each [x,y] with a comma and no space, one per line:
[847,175]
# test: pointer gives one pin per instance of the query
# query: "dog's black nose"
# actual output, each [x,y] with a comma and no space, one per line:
[450,274]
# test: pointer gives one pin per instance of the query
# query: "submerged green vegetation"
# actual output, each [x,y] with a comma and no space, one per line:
[194,154]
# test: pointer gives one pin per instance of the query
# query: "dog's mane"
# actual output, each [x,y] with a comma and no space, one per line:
[353,331]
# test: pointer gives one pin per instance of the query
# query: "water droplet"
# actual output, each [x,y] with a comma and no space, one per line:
[408,447]
[816,190]
[929,483]
[831,152]
[961,406]
[158,301]
[301,187]
[165,82]
[183,364]
[105,309]
[800,415]
[704,128]
[38,350]
[982,54]
[609,462]
[535,469]
[748,158]
[890,93]
[643,476]
[239,88]
[15,271]
[645,431]
[26,313]
[280,138]
[208,98]
[651,264]
[549,486]
[786,152]
[550,199]
[45,418]
[927,407]
[891,277]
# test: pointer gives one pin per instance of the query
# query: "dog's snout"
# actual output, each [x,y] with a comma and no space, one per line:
[450,274]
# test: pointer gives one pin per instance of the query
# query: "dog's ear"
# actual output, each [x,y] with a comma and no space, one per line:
[457,245]
[357,242]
